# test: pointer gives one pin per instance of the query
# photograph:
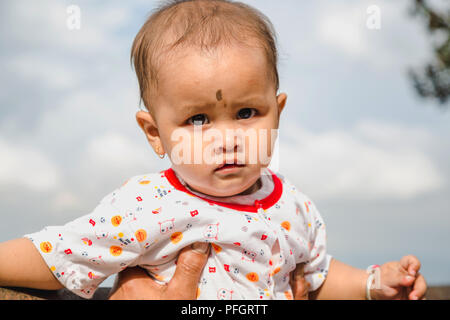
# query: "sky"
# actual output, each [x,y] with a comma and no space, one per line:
[355,137]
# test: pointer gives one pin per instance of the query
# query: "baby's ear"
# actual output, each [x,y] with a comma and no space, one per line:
[148,125]
[281,102]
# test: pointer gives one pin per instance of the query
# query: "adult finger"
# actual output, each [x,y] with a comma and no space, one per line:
[190,264]
[133,274]
[134,283]
[419,288]
[299,285]
[411,264]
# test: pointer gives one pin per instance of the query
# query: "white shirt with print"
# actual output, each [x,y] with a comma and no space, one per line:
[150,218]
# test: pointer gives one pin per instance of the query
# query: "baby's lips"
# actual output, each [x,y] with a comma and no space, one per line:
[225,163]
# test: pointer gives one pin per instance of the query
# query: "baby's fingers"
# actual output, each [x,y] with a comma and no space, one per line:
[394,275]
[419,289]
[405,280]
[411,264]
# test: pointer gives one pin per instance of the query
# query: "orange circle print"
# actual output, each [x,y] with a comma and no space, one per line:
[286,225]
[116,220]
[176,237]
[288,295]
[277,269]
[46,247]
[115,251]
[252,276]
[141,235]
[216,247]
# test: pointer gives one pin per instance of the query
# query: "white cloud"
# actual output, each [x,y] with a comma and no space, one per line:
[370,161]
[44,24]
[112,151]
[112,157]
[26,166]
[65,200]
[342,27]
[399,42]
[73,119]
[44,71]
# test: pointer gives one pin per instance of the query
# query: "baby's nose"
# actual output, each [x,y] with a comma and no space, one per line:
[231,143]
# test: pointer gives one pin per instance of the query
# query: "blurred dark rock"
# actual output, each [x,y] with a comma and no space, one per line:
[433,293]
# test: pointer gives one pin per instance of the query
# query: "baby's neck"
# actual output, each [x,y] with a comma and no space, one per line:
[259,190]
[255,187]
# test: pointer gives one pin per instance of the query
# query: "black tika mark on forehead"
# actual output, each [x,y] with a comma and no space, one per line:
[219,95]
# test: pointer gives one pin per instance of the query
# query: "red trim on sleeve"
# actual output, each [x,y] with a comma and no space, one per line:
[265,203]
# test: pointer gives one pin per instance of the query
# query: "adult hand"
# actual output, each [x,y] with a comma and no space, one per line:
[135,284]
[300,287]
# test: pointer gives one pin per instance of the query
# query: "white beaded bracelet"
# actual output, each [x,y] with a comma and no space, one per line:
[371,270]
[369,286]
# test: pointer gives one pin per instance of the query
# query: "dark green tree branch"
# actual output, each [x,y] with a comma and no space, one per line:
[433,81]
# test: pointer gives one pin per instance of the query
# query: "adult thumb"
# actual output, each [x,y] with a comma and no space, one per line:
[190,264]
[299,285]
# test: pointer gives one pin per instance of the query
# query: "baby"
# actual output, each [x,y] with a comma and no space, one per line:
[207,71]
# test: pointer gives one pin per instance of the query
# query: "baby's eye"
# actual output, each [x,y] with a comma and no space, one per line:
[198,120]
[246,113]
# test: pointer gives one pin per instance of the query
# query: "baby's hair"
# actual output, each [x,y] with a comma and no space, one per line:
[202,24]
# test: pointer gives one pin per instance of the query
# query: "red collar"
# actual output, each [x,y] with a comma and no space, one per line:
[265,203]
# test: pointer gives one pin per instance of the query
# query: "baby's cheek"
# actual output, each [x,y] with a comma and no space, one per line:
[180,149]
[265,146]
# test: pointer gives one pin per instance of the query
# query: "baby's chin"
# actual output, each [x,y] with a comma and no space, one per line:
[223,189]
[221,193]
[225,184]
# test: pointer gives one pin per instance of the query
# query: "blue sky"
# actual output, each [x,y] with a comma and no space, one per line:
[354,135]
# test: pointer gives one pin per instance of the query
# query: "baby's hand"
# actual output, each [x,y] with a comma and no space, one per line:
[400,280]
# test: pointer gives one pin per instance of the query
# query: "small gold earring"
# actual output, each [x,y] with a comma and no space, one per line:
[158,150]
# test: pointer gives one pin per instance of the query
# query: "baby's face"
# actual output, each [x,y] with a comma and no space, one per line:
[215,110]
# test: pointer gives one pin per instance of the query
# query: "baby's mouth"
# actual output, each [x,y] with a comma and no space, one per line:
[229,166]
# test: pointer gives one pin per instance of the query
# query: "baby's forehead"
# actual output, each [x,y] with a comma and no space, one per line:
[193,62]
[176,29]
[218,78]
[180,55]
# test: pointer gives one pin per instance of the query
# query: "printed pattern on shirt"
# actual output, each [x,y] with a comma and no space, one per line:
[147,221]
